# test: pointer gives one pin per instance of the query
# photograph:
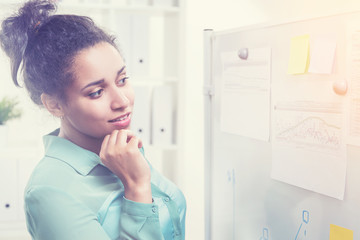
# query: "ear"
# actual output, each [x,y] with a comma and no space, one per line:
[52,104]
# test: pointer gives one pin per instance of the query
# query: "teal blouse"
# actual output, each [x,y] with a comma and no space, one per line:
[72,195]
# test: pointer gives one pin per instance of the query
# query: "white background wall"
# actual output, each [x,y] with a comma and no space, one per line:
[221,15]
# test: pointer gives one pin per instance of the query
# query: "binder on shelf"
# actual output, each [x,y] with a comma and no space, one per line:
[139,45]
[123,37]
[8,189]
[162,115]
[140,122]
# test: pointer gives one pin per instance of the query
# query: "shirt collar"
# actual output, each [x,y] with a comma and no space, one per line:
[82,160]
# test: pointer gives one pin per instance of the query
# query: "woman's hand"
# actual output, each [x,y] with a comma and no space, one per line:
[119,152]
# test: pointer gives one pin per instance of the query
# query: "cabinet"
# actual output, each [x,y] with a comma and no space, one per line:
[149,34]
[16,166]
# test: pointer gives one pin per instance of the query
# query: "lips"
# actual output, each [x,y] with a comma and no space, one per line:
[120,118]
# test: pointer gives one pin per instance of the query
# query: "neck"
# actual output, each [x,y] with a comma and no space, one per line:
[89,143]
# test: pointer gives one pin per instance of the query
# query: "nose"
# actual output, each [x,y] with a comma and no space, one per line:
[119,100]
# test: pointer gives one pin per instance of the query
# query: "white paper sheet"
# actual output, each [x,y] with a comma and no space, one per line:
[322,54]
[308,150]
[353,79]
[245,97]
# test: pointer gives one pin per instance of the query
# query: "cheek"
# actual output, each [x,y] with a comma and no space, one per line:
[87,110]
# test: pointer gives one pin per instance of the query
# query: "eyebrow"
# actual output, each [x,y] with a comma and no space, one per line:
[120,71]
[93,84]
[102,80]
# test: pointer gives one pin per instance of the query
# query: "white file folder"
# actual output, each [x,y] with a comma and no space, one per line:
[8,189]
[140,123]
[140,45]
[162,115]
[123,38]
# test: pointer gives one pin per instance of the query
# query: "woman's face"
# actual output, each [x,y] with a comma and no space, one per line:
[101,99]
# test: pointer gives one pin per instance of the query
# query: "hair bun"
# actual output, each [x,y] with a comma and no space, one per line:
[19,28]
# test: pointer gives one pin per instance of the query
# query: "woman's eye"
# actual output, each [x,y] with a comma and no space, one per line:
[122,81]
[96,94]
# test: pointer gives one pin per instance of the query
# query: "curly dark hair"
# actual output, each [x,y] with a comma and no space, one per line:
[45,45]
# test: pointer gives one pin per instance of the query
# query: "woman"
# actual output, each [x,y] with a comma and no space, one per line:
[93,182]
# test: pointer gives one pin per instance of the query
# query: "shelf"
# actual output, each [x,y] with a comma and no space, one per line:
[128,8]
[120,7]
[14,230]
[169,147]
[15,226]
[144,81]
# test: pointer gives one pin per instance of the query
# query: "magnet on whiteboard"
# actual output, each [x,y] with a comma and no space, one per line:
[340,87]
[243,53]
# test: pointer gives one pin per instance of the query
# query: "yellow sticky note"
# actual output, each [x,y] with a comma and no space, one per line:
[340,233]
[299,55]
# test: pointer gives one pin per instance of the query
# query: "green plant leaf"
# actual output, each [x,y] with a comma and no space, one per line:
[8,110]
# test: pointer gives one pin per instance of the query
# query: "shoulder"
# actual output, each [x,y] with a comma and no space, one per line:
[52,213]
[51,172]
[54,177]
[57,203]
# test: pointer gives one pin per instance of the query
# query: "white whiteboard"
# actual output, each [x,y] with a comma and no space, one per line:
[242,200]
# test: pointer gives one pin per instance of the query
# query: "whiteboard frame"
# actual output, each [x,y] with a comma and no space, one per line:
[283,22]
[209,36]
[208,91]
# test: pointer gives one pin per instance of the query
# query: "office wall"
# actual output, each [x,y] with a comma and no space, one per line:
[220,15]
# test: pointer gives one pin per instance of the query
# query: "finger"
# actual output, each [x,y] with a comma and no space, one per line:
[130,134]
[104,143]
[113,138]
[134,142]
[122,137]
[140,144]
